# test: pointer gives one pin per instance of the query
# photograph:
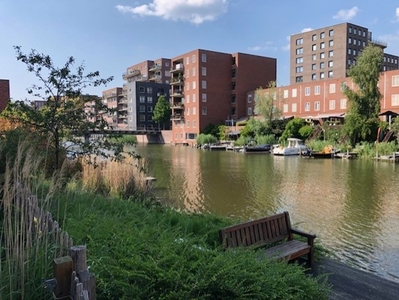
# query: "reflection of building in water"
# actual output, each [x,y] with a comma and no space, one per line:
[186,170]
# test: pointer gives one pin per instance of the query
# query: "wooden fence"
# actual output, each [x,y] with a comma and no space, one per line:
[71,276]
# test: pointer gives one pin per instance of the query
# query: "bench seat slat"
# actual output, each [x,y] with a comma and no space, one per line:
[288,250]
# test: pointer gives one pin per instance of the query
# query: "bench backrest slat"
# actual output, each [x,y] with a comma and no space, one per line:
[257,232]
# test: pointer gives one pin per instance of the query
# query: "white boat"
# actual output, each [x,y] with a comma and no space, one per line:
[295,147]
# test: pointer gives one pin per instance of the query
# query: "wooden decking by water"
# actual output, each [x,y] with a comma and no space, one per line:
[353,284]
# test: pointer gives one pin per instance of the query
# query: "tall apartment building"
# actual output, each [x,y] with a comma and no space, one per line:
[329,52]
[209,87]
[145,82]
[4,93]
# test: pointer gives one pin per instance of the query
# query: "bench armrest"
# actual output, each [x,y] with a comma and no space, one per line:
[309,236]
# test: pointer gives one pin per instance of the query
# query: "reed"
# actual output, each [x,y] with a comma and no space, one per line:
[29,237]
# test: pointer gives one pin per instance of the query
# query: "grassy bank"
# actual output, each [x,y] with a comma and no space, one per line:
[153,252]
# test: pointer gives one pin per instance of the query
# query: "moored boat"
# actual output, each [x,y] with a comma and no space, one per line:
[295,147]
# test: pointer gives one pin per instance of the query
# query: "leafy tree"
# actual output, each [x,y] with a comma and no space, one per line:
[364,104]
[293,129]
[203,139]
[268,103]
[162,112]
[254,128]
[67,115]
[211,129]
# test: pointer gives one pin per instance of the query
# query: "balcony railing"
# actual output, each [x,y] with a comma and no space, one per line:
[177,117]
[130,73]
[177,68]
[155,67]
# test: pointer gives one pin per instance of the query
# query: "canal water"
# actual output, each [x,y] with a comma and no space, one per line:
[351,205]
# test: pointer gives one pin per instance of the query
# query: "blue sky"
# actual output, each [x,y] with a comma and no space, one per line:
[110,35]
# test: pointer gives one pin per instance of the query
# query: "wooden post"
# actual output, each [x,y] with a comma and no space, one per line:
[62,273]
[78,255]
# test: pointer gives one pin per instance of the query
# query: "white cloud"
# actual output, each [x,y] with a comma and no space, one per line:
[194,11]
[306,29]
[346,14]
[397,14]
[267,47]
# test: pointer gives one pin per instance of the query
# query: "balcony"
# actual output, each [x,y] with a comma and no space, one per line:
[156,67]
[177,68]
[177,81]
[177,106]
[177,93]
[130,73]
[380,44]
[155,78]
[177,117]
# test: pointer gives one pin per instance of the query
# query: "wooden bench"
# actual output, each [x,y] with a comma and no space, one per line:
[266,231]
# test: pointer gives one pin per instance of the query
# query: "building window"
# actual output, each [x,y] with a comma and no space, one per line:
[194,85]
[314,47]
[187,60]
[330,53]
[313,66]
[299,41]
[321,75]
[331,104]
[188,111]
[331,43]
[307,106]
[195,98]
[293,107]
[203,72]
[395,100]
[317,90]
[350,29]
[330,64]
[354,51]
[204,97]
[194,111]
[314,37]
[249,111]
[354,31]
[142,99]
[317,105]
[285,94]
[203,84]
[314,57]
[330,74]
[285,108]
[203,57]
[322,45]
[193,71]
[299,69]
[142,118]
[299,60]
[322,55]
[141,89]
[314,77]
[294,93]
[142,108]
[395,80]
[342,104]
[350,41]
[194,124]
[149,109]
[332,88]
[193,58]
[188,124]
[322,35]
[149,90]
[298,79]
[349,51]
[204,111]
[187,98]
[322,65]
[331,32]
[299,51]
[149,99]
[307,91]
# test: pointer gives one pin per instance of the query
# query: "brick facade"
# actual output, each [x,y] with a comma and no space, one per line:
[4,93]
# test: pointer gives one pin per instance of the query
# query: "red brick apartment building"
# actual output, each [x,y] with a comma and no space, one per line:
[4,93]
[325,100]
[328,52]
[209,87]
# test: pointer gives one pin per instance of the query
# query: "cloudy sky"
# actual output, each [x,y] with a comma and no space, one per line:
[110,35]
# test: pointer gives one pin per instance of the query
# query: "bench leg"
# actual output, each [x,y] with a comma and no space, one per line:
[310,258]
